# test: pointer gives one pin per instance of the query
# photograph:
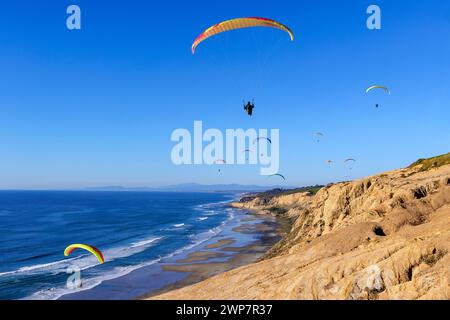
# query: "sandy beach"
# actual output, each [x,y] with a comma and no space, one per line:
[242,241]
[224,254]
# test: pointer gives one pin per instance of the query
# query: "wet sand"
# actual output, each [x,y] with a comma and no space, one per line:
[220,243]
[200,256]
[223,255]
[243,241]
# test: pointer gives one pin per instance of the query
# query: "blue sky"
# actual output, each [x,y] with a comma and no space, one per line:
[97,107]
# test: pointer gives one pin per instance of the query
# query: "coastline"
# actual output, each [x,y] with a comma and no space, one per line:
[383,237]
[243,240]
[225,254]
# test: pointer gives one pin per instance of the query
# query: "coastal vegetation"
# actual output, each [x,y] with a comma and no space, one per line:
[430,163]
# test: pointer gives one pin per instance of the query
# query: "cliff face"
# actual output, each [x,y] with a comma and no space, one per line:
[383,237]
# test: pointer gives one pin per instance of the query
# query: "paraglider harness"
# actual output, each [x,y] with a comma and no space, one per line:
[249,107]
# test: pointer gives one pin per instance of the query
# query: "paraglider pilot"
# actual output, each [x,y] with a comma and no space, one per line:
[249,107]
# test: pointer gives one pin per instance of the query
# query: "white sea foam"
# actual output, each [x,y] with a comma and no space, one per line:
[144,242]
[43,267]
[88,261]
[178,225]
[89,283]
[85,261]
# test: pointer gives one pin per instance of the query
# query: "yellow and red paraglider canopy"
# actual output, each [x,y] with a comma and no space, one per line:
[97,253]
[239,23]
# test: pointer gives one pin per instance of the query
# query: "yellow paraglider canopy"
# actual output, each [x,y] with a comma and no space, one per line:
[86,247]
[239,23]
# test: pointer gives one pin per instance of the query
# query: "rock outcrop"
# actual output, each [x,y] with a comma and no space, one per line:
[382,237]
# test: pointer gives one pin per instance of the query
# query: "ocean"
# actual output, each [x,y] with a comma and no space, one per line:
[133,230]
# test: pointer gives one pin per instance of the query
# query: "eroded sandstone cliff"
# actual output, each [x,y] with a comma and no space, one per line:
[382,237]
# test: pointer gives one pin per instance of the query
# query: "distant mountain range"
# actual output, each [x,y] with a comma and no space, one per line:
[192,187]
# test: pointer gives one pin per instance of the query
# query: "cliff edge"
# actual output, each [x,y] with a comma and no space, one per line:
[382,237]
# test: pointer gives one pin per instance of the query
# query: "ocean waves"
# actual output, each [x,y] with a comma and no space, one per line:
[133,230]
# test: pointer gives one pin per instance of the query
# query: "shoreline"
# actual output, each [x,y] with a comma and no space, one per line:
[244,240]
[342,247]
[200,265]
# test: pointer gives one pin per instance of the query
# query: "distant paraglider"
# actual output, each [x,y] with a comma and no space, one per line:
[318,136]
[262,138]
[247,151]
[97,253]
[278,175]
[386,89]
[220,161]
[349,160]
[329,162]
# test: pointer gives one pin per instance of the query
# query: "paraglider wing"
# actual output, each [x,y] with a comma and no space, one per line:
[278,175]
[97,253]
[247,150]
[262,138]
[239,23]
[386,89]
[318,135]
[349,159]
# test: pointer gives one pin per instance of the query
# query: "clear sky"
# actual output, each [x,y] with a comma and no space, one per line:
[97,107]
